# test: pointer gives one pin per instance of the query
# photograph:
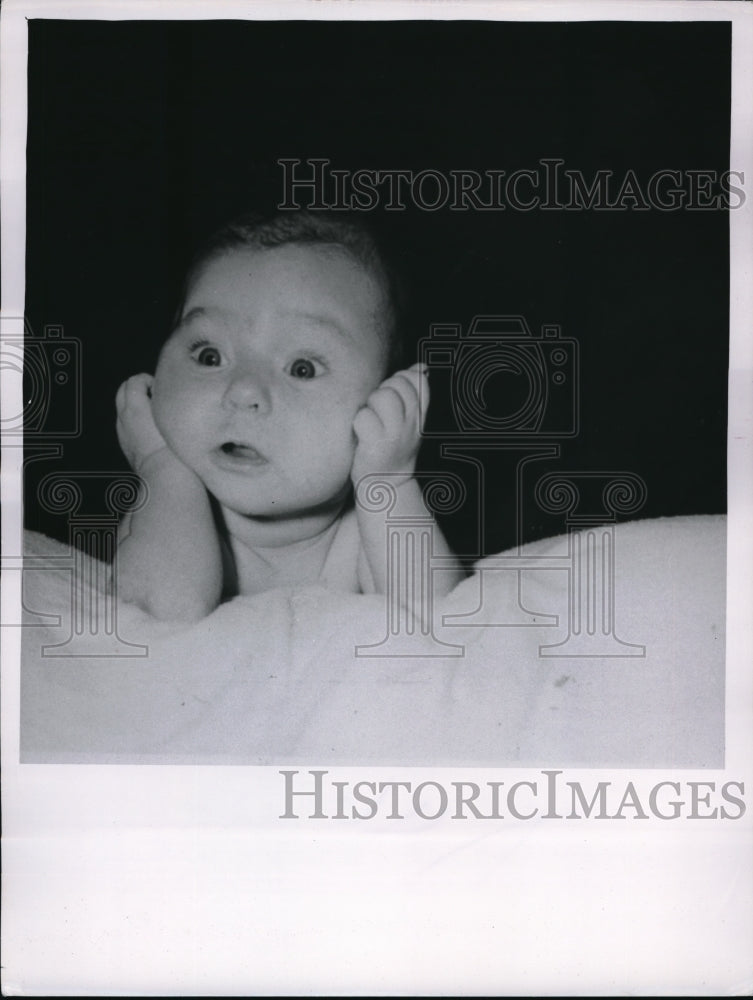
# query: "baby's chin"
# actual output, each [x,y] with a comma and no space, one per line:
[284,509]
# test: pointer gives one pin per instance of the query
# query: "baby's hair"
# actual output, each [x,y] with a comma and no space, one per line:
[257,231]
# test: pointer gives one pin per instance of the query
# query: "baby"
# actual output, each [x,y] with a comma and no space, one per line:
[275,393]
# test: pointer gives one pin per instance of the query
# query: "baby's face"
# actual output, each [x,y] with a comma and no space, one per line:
[257,388]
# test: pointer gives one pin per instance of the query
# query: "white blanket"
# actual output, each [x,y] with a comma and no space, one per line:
[274,678]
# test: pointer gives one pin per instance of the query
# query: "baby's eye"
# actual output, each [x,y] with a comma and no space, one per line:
[208,357]
[304,368]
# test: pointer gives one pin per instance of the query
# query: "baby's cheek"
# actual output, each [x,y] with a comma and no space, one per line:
[172,418]
[335,444]
[167,398]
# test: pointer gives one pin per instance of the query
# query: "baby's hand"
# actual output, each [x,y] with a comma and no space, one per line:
[137,432]
[388,427]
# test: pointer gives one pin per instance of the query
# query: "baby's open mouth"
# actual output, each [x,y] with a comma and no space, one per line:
[241,452]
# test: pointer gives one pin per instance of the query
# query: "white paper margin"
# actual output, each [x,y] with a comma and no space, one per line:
[182,880]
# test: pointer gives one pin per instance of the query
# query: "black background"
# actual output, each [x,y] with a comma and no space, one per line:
[144,136]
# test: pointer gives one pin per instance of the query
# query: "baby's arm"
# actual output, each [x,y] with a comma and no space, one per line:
[388,429]
[168,560]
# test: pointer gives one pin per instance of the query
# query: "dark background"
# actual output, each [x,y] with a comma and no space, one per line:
[144,136]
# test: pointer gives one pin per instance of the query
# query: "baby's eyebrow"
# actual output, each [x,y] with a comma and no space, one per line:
[199,312]
[325,322]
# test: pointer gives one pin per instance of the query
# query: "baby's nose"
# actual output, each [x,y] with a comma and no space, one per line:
[248,390]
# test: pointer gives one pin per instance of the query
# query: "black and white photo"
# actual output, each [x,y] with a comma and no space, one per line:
[376,385]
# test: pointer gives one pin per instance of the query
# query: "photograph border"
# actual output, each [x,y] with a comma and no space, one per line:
[95,849]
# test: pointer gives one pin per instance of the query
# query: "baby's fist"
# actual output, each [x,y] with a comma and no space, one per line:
[137,432]
[388,428]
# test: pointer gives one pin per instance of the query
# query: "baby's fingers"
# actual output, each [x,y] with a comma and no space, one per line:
[139,386]
[412,386]
[134,393]
[367,426]
[408,380]
[388,402]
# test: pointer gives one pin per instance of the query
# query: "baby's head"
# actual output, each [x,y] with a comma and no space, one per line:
[286,326]
[337,233]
